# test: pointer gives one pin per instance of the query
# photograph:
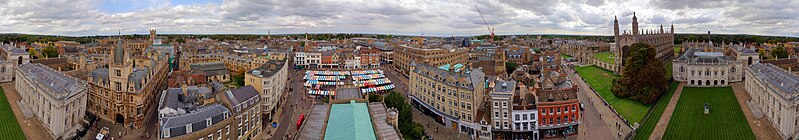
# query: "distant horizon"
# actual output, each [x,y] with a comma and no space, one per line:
[408,17]
[282,34]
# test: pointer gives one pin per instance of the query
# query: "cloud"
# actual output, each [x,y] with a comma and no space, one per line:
[431,17]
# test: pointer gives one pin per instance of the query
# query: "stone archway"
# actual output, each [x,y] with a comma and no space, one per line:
[715,82]
[120,119]
[707,82]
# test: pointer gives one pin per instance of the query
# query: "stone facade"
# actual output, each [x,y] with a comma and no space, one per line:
[451,97]
[10,57]
[122,92]
[661,40]
[57,100]
[268,80]
[775,92]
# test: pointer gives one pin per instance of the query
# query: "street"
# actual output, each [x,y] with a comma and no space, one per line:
[291,107]
[590,119]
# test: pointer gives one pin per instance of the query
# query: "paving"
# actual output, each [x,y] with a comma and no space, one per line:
[760,126]
[291,107]
[613,122]
[663,122]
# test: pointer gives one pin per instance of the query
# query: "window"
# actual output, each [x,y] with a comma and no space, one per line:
[118,73]
[516,117]
[218,134]
[118,86]
[505,114]
[210,136]
[228,130]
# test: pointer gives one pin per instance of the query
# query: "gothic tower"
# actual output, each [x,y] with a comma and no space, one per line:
[661,28]
[152,35]
[635,25]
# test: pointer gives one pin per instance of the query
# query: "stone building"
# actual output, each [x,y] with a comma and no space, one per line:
[405,55]
[124,90]
[661,40]
[58,101]
[716,68]
[775,95]
[501,107]
[214,71]
[269,80]
[10,57]
[451,96]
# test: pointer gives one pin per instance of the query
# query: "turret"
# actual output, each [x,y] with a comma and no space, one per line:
[672,28]
[661,28]
[615,26]
[635,24]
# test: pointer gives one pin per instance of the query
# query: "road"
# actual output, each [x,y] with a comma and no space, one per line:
[291,107]
[592,126]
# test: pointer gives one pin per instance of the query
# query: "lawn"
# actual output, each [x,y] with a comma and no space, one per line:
[9,127]
[565,56]
[606,57]
[669,71]
[726,120]
[649,124]
[677,51]
[602,80]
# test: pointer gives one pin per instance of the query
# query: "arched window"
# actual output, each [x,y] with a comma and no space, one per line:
[707,82]
[692,82]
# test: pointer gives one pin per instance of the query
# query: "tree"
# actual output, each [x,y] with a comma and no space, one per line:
[34,54]
[375,97]
[50,52]
[406,125]
[238,80]
[779,52]
[510,67]
[643,77]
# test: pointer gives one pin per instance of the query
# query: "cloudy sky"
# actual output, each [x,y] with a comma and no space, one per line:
[408,17]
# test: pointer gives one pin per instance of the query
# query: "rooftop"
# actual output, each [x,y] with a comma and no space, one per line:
[239,95]
[62,85]
[210,68]
[467,79]
[349,121]
[787,84]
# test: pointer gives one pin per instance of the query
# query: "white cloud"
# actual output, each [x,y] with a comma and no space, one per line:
[431,17]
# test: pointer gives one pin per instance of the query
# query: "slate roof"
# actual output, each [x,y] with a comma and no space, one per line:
[136,77]
[786,83]
[210,68]
[469,80]
[197,119]
[62,85]
[100,76]
[239,95]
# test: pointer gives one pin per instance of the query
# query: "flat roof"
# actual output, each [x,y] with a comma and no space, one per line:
[349,122]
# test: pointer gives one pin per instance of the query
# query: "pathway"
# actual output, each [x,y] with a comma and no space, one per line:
[760,126]
[613,126]
[660,128]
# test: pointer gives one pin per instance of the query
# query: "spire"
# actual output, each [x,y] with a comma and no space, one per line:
[635,25]
[661,28]
[672,28]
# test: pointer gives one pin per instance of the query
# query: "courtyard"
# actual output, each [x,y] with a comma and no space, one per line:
[643,132]
[9,127]
[725,121]
[606,57]
[601,81]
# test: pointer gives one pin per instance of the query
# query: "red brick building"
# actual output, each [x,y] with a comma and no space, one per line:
[558,106]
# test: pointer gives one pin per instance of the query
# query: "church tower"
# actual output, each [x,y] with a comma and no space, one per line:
[672,28]
[616,28]
[635,25]
[152,36]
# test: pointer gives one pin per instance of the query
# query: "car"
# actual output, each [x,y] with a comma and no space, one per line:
[582,107]
[102,134]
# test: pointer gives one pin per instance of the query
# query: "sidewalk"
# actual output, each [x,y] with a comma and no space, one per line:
[663,122]
[618,128]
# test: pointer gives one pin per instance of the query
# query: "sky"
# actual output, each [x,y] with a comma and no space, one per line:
[401,17]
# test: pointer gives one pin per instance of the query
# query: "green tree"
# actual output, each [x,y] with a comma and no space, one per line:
[779,52]
[510,67]
[35,54]
[50,52]
[643,77]
[406,125]
[238,80]
[375,97]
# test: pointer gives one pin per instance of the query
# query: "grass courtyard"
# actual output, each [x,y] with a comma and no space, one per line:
[643,132]
[725,121]
[9,127]
[565,56]
[606,57]
[601,80]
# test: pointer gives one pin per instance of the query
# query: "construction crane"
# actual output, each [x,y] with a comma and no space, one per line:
[491,30]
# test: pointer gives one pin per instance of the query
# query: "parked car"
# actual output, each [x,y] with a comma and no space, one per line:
[102,134]
[582,107]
